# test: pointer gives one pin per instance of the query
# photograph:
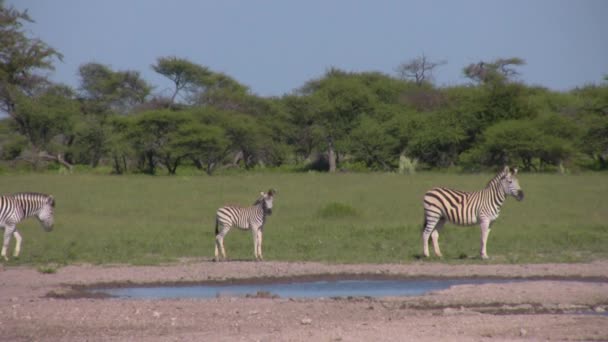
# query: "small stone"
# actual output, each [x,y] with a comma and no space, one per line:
[599,309]
[156,314]
[523,332]
[306,321]
[253,312]
[450,311]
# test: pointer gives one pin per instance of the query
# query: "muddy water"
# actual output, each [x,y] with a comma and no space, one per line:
[299,289]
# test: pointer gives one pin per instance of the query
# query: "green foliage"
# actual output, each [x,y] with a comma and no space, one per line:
[521,142]
[370,144]
[438,139]
[156,137]
[595,140]
[355,121]
[49,115]
[20,58]
[111,91]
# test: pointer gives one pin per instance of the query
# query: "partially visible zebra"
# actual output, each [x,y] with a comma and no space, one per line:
[252,218]
[467,208]
[17,207]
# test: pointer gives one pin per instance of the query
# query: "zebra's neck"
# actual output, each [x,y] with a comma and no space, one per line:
[495,191]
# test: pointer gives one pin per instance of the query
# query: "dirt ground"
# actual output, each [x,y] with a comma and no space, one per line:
[545,308]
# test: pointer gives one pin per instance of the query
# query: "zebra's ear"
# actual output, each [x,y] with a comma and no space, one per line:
[51,200]
[262,193]
[271,192]
[514,171]
[507,169]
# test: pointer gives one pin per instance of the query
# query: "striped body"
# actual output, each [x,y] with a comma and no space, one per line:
[246,218]
[443,205]
[243,218]
[17,207]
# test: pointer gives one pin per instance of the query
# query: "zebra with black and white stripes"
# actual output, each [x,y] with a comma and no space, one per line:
[252,218]
[467,208]
[17,207]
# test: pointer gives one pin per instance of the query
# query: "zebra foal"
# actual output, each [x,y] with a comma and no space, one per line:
[467,208]
[252,218]
[16,208]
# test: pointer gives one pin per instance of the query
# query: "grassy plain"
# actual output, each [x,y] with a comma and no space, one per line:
[346,218]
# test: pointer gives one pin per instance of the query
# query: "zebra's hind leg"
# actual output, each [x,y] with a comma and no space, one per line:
[435,237]
[429,226]
[8,231]
[18,240]
[219,244]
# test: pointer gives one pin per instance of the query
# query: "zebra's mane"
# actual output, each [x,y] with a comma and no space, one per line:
[28,196]
[497,178]
[259,200]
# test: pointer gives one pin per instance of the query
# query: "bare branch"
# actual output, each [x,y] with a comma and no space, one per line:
[420,69]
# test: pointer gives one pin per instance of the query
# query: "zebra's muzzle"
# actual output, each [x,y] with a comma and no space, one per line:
[520,195]
[268,212]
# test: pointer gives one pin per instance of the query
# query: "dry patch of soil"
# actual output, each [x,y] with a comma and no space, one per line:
[544,308]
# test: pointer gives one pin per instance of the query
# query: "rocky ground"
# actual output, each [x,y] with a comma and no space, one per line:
[36,306]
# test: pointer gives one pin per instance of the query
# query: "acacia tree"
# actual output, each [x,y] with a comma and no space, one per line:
[339,99]
[498,71]
[186,76]
[419,69]
[106,90]
[40,111]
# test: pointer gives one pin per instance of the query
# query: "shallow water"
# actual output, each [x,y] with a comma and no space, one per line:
[304,289]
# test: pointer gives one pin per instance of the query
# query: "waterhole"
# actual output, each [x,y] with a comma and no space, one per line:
[296,289]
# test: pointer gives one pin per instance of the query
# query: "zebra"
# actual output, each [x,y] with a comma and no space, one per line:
[252,217]
[467,208]
[17,207]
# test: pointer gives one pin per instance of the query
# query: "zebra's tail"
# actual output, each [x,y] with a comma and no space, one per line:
[424,223]
[217,223]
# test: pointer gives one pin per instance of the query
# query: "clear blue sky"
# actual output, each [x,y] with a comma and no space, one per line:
[275,46]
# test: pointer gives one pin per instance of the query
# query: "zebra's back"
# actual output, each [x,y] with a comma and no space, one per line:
[459,207]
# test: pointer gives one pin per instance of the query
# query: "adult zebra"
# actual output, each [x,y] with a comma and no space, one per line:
[17,207]
[252,217]
[467,208]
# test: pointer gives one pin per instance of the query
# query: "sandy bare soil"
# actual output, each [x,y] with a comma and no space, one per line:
[545,308]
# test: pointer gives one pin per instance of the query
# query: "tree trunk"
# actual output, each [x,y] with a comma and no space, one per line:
[237,157]
[210,167]
[331,155]
[197,163]
[59,158]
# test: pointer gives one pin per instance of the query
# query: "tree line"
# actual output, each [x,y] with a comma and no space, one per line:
[339,121]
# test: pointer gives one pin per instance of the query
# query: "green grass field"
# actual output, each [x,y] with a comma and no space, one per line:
[342,218]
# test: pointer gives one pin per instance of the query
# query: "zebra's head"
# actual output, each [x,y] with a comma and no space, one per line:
[46,214]
[266,200]
[510,183]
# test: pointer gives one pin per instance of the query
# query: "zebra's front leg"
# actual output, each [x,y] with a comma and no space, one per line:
[256,236]
[485,231]
[260,237]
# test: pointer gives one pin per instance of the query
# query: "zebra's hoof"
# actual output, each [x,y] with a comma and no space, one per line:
[485,257]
